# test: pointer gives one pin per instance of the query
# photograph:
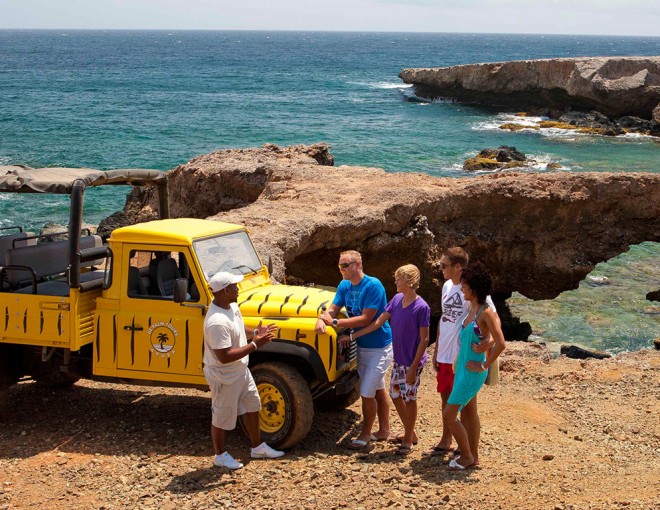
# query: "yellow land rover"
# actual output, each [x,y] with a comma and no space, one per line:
[132,310]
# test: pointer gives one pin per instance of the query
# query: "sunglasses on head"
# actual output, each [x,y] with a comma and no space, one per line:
[344,265]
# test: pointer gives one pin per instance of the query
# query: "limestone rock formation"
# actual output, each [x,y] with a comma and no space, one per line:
[540,234]
[614,86]
[502,158]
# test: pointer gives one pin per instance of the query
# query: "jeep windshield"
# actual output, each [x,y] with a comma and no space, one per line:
[233,253]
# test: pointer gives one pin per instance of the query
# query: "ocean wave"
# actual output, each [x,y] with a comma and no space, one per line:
[381,84]
[541,162]
[531,124]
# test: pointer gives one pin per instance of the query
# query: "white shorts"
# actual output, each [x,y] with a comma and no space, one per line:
[372,366]
[229,401]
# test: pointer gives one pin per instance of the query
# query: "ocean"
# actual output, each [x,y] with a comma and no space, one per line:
[156,99]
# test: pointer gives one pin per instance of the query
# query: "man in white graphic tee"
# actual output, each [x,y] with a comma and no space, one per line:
[454,308]
[226,354]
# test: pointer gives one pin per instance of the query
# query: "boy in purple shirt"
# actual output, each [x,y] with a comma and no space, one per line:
[409,317]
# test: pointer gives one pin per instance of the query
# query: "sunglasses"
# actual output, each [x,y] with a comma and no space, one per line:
[445,266]
[344,265]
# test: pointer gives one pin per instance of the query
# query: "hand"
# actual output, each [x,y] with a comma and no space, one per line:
[483,345]
[475,366]
[264,334]
[326,318]
[344,340]
[411,375]
[320,326]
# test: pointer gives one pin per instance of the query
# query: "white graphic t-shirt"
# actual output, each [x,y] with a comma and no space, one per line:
[454,308]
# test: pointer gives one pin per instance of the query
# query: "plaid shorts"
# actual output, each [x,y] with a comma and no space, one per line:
[398,386]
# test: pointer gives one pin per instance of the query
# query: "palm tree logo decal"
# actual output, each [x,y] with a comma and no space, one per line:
[162,339]
[162,336]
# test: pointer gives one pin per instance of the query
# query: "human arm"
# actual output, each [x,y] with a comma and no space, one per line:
[326,315]
[358,321]
[261,335]
[489,323]
[436,365]
[411,374]
[378,323]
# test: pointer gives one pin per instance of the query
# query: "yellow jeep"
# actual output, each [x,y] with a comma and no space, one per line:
[132,310]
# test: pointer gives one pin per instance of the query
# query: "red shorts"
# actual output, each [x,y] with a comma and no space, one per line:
[445,378]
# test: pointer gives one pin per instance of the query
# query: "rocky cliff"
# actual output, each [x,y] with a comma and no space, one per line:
[614,86]
[540,234]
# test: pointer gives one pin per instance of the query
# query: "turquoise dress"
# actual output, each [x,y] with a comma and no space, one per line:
[466,383]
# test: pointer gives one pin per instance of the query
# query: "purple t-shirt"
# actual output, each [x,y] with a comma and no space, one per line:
[405,323]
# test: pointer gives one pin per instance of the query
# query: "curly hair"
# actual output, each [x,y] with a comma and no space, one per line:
[409,274]
[477,277]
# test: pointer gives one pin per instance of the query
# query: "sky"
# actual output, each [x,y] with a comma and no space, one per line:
[592,17]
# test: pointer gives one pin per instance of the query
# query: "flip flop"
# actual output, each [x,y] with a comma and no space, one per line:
[454,465]
[403,450]
[439,450]
[377,439]
[398,440]
[357,444]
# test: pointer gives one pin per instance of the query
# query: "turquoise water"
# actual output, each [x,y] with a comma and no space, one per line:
[155,99]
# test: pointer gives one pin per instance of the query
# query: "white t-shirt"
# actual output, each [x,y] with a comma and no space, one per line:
[222,329]
[454,308]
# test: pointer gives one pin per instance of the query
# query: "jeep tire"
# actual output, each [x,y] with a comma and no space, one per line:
[287,410]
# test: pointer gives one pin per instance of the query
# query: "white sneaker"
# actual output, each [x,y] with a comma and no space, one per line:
[226,460]
[263,451]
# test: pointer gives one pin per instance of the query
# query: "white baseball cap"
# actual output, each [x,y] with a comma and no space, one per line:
[223,279]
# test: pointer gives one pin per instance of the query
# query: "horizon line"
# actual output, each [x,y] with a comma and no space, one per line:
[319,31]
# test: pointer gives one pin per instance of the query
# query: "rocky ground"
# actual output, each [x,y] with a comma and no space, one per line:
[557,434]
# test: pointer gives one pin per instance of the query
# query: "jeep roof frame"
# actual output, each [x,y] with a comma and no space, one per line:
[73,182]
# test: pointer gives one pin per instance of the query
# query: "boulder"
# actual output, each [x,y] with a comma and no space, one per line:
[110,223]
[575,352]
[497,159]
[653,296]
[634,124]
[539,233]
[614,86]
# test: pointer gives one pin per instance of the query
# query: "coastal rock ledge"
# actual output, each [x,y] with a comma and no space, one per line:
[540,234]
[614,86]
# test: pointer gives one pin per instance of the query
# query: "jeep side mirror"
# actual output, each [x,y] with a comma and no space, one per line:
[180,290]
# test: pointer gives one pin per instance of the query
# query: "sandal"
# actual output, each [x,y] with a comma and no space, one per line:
[403,450]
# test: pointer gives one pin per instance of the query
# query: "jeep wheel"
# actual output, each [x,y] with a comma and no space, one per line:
[5,382]
[287,411]
[56,379]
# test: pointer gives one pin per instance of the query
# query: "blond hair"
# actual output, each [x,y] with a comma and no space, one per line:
[409,274]
[355,255]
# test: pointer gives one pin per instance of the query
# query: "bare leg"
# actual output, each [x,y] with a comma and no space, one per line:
[251,423]
[409,420]
[402,409]
[470,419]
[383,406]
[459,433]
[445,440]
[218,438]
[369,410]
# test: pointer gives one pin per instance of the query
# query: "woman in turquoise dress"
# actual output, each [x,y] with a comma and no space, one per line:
[472,366]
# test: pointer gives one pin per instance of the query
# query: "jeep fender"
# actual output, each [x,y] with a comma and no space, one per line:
[288,349]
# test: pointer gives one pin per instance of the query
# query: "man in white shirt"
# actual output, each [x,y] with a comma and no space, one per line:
[454,308]
[226,355]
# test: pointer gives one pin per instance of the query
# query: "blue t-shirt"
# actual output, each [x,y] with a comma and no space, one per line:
[369,293]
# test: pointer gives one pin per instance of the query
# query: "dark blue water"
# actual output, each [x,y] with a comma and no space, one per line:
[155,99]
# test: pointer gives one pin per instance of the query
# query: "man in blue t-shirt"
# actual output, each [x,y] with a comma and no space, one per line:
[364,299]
